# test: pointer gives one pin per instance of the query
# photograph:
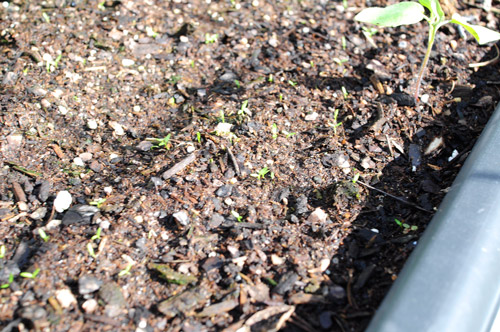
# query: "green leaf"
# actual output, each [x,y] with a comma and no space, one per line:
[434,7]
[483,35]
[392,16]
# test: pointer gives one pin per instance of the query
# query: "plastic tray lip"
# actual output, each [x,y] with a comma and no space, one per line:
[451,282]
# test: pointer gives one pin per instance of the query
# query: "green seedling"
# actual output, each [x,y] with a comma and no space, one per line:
[98,202]
[10,281]
[281,97]
[101,6]
[292,83]
[270,79]
[46,17]
[126,270]
[244,108]
[355,178]
[344,92]
[211,38]
[43,235]
[274,131]
[151,33]
[237,216]
[198,137]
[222,117]
[161,142]
[287,134]
[97,235]
[407,12]
[192,64]
[174,79]
[30,275]
[237,83]
[2,251]
[262,173]
[90,249]
[344,43]
[406,228]
[335,123]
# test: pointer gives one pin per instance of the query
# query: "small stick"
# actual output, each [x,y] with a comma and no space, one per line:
[233,159]
[394,197]
[179,166]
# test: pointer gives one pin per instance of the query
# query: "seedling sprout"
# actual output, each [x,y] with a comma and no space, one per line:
[407,12]
[10,281]
[2,251]
[30,275]
[43,235]
[237,216]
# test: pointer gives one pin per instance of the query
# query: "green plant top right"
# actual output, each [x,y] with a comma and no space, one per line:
[409,12]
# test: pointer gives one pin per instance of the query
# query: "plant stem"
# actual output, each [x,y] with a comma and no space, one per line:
[432,35]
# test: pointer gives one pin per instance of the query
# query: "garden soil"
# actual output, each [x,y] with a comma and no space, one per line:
[223,165]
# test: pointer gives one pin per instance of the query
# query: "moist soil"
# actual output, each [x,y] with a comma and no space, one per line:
[222,166]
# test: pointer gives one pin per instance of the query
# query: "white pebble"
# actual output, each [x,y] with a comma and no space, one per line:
[78,162]
[63,201]
[184,39]
[317,216]
[311,117]
[117,128]
[63,110]
[92,124]
[127,62]
[65,298]
[89,306]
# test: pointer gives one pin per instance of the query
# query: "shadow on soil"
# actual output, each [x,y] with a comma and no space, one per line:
[386,230]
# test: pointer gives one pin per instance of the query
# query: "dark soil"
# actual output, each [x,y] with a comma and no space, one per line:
[258,228]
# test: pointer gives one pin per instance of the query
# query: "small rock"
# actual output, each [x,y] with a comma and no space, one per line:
[78,162]
[301,205]
[228,76]
[33,313]
[81,214]
[44,190]
[311,117]
[216,220]
[111,294]
[182,218]
[37,91]
[118,128]
[65,298]
[86,156]
[325,320]
[9,79]
[62,109]
[45,103]
[144,146]
[95,166]
[14,141]
[127,62]
[63,201]
[53,224]
[224,191]
[367,163]
[38,213]
[317,216]
[286,283]
[92,124]
[88,284]
[89,306]
[414,154]
[337,292]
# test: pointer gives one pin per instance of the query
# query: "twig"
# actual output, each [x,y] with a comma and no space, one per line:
[487,62]
[179,166]
[395,197]
[233,159]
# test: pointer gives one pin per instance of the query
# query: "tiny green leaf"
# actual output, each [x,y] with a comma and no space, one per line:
[483,35]
[434,7]
[402,13]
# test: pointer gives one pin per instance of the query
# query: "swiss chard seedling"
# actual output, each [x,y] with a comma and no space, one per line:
[409,12]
